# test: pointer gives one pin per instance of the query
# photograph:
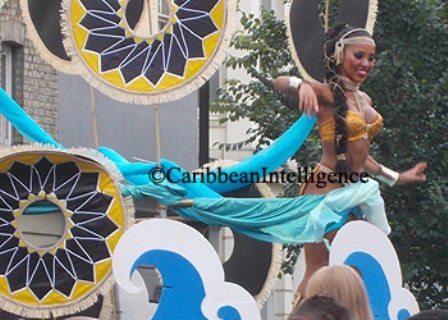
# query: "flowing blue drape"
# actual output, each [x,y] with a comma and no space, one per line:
[284,220]
[22,121]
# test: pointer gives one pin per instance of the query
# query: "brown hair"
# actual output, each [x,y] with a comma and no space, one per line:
[345,285]
[340,99]
[320,308]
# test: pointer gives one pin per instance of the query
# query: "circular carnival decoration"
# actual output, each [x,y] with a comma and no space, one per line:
[147,67]
[44,30]
[62,276]
[306,32]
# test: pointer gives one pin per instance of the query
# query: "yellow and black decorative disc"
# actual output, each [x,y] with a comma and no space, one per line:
[47,276]
[160,67]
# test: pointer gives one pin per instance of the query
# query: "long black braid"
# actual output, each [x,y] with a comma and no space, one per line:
[340,99]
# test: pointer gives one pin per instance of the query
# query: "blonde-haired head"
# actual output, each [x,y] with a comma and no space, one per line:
[345,285]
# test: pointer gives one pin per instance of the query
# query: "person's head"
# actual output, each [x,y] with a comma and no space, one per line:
[437,314]
[349,53]
[320,307]
[349,57]
[345,285]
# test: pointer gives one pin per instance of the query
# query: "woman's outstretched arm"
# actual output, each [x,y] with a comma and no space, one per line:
[415,174]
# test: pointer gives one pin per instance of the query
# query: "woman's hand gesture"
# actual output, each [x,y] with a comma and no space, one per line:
[308,103]
[415,174]
[302,89]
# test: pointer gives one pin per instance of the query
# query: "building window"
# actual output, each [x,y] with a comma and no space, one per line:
[153,18]
[7,82]
[163,13]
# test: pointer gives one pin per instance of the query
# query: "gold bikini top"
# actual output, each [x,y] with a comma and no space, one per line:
[357,128]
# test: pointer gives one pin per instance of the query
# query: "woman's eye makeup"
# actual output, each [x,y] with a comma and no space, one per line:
[358,54]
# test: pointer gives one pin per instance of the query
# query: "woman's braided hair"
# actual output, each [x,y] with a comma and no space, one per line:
[332,71]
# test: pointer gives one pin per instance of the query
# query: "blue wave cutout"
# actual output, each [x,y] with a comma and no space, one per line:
[183,287]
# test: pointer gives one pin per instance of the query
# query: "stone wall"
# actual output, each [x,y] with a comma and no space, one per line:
[35,82]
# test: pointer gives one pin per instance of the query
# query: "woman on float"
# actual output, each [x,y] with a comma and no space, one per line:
[347,124]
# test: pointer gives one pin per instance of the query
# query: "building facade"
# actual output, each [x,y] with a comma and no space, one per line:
[25,76]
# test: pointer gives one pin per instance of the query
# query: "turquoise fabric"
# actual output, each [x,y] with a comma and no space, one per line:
[193,190]
[135,173]
[271,157]
[284,220]
[166,193]
[22,122]
[41,207]
[297,220]
[265,161]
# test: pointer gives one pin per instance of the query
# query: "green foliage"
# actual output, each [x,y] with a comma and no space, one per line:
[264,55]
[265,52]
[409,88]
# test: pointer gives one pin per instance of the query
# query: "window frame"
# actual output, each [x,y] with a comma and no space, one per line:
[163,14]
[7,83]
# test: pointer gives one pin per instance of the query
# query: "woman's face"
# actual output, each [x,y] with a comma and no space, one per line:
[358,61]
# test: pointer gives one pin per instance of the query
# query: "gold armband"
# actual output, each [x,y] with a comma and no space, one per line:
[387,175]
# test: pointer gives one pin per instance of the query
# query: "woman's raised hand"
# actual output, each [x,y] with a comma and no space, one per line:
[308,103]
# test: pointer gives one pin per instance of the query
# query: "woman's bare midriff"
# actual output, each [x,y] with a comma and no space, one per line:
[357,152]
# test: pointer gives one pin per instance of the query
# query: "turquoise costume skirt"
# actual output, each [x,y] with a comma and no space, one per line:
[303,219]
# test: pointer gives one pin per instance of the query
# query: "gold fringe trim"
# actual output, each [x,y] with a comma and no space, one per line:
[105,286]
[371,15]
[130,212]
[108,306]
[265,190]
[272,277]
[56,62]
[370,25]
[123,95]
[59,311]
